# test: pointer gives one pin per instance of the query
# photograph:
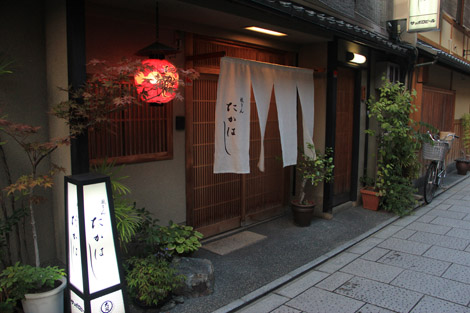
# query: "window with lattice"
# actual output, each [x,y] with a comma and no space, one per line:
[141,133]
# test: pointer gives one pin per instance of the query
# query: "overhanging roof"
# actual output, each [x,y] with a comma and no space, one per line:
[443,57]
[329,23]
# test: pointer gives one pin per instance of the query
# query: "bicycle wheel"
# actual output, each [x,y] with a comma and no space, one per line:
[430,182]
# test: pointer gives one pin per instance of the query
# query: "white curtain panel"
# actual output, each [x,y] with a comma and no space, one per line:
[232,118]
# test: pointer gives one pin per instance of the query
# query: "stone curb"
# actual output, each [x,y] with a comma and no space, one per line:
[262,291]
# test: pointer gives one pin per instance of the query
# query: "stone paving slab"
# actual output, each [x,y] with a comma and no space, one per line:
[404,233]
[451,222]
[372,270]
[286,309]
[449,255]
[387,231]
[369,308]
[460,208]
[365,245]
[439,287]
[430,304]
[267,304]
[429,228]
[415,263]
[375,254]
[459,273]
[301,284]
[337,262]
[460,233]
[316,300]
[334,281]
[379,294]
[406,246]
[448,214]
[440,240]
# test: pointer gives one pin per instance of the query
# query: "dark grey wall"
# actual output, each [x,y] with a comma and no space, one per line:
[23,99]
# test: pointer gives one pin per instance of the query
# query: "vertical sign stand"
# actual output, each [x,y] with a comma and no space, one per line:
[94,271]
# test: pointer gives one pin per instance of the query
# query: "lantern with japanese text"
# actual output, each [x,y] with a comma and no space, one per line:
[94,270]
[157,82]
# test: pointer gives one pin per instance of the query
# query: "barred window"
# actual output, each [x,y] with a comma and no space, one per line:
[141,133]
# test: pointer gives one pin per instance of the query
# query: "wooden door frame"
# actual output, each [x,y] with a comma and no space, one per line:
[330,132]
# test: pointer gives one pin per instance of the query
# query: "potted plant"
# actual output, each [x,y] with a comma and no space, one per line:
[40,289]
[398,144]
[369,193]
[313,168]
[463,164]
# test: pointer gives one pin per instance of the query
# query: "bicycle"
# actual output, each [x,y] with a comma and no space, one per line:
[435,151]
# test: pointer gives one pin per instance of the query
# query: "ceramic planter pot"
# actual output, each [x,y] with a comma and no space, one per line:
[370,199]
[46,302]
[302,213]
[462,166]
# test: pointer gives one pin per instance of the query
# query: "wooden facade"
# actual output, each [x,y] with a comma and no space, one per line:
[220,202]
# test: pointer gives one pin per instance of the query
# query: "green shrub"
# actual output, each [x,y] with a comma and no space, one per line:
[150,280]
[18,280]
[179,239]
[398,144]
[170,240]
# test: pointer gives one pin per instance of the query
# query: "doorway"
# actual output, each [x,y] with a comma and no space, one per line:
[345,149]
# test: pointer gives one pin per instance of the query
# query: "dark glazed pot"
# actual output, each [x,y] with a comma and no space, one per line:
[302,213]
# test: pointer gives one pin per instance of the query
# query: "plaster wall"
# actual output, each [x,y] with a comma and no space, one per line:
[159,186]
[462,96]
[23,97]
[57,79]
[315,57]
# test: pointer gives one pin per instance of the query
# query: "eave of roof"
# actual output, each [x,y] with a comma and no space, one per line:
[443,57]
[335,25]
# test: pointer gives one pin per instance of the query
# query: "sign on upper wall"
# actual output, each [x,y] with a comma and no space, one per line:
[424,15]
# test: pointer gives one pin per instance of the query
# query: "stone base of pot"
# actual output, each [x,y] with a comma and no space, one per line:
[302,213]
[370,199]
[462,166]
[46,302]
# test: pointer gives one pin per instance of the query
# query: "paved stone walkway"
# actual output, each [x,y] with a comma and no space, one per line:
[419,263]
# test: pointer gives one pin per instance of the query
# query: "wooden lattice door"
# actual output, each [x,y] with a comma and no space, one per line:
[344,134]
[220,202]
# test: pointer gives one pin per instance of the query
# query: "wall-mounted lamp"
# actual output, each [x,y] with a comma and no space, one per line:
[355,58]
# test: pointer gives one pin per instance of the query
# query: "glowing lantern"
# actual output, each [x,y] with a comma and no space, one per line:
[158,81]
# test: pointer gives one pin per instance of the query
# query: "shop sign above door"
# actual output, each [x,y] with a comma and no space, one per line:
[424,15]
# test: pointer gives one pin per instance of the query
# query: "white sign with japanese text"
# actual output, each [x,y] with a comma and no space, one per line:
[103,271]
[75,255]
[424,15]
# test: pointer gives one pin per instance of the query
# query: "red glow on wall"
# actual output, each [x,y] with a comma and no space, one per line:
[158,81]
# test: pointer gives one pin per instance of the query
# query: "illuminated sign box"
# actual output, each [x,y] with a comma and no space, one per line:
[424,15]
[94,271]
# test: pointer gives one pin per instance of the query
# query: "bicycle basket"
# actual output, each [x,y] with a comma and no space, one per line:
[435,152]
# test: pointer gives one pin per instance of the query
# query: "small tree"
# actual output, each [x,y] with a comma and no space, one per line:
[397,147]
[36,152]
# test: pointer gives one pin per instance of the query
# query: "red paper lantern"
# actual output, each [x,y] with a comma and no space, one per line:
[158,81]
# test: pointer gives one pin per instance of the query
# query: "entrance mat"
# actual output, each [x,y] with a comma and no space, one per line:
[234,242]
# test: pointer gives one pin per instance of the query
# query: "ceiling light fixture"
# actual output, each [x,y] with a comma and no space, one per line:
[265,31]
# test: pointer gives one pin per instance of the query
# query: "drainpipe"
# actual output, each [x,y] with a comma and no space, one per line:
[426,63]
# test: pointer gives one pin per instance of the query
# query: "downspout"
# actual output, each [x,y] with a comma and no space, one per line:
[426,63]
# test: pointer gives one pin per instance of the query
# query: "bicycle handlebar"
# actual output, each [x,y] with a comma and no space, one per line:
[436,136]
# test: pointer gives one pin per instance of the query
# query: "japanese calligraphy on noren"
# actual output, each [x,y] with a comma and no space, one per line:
[230,123]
